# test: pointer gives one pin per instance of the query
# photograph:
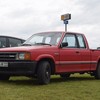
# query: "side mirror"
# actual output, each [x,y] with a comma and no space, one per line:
[64,44]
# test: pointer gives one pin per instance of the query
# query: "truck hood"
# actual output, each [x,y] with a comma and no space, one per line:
[24,48]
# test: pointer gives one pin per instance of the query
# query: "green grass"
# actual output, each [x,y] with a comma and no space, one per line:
[78,87]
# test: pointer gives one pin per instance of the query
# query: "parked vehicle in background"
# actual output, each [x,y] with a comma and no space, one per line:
[7,41]
[98,48]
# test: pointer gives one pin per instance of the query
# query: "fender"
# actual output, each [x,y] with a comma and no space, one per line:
[94,67]
[45,56]
[98,60]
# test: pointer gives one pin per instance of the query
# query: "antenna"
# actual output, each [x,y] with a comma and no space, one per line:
[65,19]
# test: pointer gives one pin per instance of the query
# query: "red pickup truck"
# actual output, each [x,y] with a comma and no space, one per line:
[48,53]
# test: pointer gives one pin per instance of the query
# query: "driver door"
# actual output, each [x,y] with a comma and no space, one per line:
[70,56]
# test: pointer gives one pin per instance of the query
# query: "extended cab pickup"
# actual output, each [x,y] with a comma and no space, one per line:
[48,53]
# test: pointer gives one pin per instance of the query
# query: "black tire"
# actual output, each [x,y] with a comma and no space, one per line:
[65,75]
[44,72]
[97,73]
[4,77]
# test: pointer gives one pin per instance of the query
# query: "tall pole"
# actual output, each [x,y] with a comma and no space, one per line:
[65,22]
[65,19]
[65,27]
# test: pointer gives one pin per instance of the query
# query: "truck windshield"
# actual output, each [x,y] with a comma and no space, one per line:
[50,38]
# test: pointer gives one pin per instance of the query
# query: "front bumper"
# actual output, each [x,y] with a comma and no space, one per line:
[19,68]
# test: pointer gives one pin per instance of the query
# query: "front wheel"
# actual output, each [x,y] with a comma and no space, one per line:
[44,72]
[97,73]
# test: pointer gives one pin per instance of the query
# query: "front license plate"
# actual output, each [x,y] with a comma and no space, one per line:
[3,64]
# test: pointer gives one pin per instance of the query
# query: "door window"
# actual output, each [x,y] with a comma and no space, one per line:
[71,40]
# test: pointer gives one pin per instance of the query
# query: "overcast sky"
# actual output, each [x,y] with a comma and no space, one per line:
[22,18]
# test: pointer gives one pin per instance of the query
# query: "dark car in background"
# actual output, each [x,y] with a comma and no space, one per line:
[8,41]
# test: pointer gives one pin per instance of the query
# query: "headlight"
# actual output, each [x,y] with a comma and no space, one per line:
[23,56]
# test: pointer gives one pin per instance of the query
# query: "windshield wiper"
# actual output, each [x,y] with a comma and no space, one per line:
[26,45]
[35,44]
[42,44]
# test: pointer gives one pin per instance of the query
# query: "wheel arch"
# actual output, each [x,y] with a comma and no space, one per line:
[98,63]
[97,72]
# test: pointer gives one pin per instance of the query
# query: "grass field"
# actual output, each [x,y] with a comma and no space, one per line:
[78,87]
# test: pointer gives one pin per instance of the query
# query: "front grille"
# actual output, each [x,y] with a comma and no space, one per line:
[8,56]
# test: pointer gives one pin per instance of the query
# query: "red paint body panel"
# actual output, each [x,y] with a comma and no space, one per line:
[66,59]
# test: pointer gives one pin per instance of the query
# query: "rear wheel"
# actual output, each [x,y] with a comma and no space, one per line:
[97,73]
[44,72]
[4,77]
[65,75]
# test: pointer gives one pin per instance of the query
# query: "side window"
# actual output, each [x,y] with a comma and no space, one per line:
[2,42]
[14,42]
[81,41]
[71,40]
